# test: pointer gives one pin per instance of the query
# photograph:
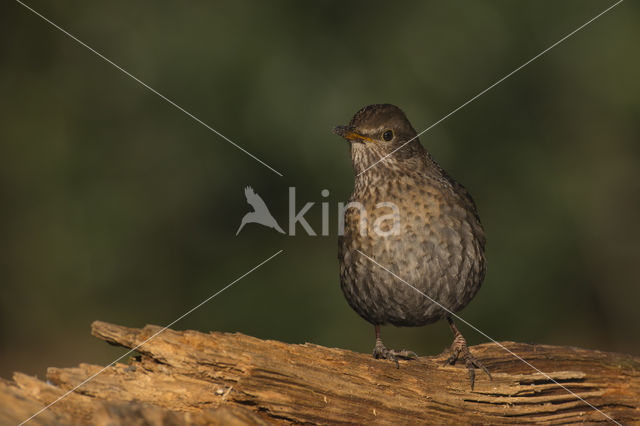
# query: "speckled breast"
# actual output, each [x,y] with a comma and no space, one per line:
[437,247]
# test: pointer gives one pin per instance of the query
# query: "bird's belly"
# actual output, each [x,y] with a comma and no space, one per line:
[430,265]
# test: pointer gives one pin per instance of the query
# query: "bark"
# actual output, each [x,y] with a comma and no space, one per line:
[188,377]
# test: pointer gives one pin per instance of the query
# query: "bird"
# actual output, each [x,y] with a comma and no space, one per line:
[260,213]
[438,246]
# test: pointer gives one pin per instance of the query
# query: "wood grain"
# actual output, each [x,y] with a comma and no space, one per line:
[188,377]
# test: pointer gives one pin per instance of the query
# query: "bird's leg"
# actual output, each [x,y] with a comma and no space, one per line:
[459,347]
[381,352]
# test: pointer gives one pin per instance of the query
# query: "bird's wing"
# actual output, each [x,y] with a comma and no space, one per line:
[254,199]
[248,192]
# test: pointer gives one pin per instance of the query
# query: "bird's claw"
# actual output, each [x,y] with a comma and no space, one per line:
[381,352]
[459,347]
[405,354]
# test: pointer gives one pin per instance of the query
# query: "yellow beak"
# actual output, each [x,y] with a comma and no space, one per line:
[350,134]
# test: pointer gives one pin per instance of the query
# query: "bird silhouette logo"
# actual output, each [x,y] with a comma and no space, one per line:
[260,213]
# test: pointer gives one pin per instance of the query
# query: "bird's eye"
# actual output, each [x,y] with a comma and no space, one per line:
[387,135]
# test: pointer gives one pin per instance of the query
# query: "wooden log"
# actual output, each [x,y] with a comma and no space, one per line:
[190,377]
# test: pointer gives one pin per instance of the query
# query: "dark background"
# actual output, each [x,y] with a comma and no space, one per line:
[116,206]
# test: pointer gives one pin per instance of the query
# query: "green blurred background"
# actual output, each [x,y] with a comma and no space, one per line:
[118,207]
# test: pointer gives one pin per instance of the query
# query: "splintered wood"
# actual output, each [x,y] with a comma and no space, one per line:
[188,377]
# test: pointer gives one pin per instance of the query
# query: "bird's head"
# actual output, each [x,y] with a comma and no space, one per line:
[378,131]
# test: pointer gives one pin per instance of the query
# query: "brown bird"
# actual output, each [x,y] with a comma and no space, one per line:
[426,231]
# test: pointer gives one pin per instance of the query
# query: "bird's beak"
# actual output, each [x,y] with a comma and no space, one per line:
[349,133]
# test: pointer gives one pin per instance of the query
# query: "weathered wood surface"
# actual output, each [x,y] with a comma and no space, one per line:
[220,378]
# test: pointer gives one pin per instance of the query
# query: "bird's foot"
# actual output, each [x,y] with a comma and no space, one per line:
[381,352]
[459,348]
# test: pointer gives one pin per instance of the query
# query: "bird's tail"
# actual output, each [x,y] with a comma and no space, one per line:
[277,227]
